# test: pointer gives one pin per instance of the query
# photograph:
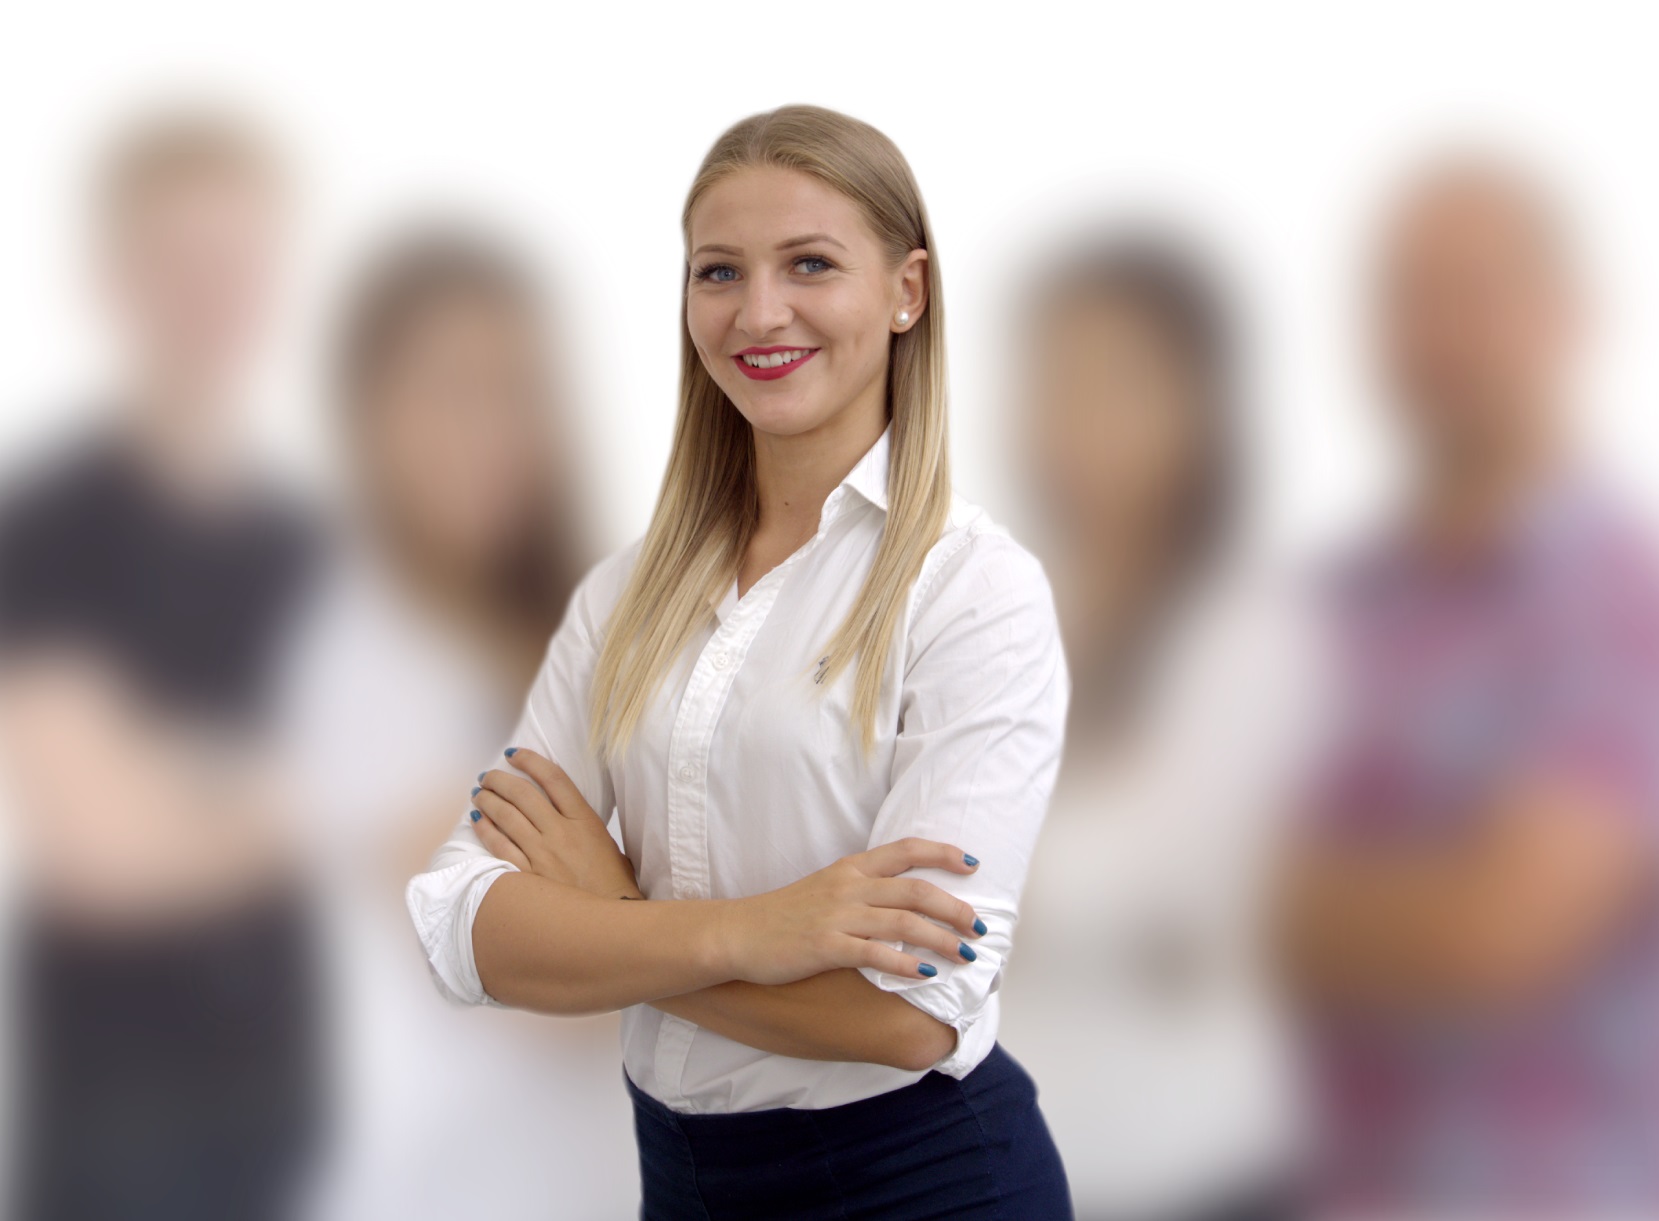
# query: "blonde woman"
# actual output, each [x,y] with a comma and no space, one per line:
[824,697]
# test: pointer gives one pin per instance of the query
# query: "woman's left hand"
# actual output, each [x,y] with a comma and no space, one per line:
[544,826]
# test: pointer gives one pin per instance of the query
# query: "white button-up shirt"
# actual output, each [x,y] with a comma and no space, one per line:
[746,775]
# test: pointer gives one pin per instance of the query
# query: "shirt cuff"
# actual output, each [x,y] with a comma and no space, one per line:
[443,904]
[962,996]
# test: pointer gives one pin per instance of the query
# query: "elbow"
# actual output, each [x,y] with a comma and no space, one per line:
[918,1043]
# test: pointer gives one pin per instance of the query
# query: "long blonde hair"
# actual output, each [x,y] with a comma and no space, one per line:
[708,507]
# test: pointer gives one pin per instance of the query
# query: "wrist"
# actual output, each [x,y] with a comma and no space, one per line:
[713,942]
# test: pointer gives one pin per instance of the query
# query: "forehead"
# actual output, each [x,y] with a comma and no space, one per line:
[754,208]
[1456,226]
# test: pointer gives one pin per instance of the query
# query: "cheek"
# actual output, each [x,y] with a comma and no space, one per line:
[852,326]
[709,320]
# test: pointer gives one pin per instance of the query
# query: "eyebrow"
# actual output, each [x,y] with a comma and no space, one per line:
[806,239]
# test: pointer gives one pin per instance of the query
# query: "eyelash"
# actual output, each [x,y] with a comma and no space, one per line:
[708,269]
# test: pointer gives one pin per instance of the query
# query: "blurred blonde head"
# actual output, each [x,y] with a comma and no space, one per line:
[708,505]
[188,212]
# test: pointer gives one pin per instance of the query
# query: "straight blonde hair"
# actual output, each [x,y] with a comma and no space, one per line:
[708,506]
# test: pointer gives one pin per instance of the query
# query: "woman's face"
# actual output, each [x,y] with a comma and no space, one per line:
[791,301]
[455,430]
[1113,423]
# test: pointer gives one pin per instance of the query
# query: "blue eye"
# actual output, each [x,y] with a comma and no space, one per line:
[719,273]
[812,264]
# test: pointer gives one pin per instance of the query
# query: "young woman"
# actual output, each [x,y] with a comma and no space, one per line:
[819,670]
[458,552]
[1143,991]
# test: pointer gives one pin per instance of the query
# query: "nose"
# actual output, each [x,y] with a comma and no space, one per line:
[765,308]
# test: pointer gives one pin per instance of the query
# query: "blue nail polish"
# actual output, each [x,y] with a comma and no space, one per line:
[476,815]
[480,777]
[927,969]
[966,951]
[979,926]
[476,791]
[969,860]
[510,751]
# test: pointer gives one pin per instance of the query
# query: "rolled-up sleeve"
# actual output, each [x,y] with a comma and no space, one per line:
[982,720]
[444,900]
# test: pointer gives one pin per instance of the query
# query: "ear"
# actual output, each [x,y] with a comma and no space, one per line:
[912,290]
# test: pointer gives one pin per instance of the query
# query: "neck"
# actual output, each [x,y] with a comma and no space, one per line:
[1111,589]
[1466,502]
[185,436]
[795,474]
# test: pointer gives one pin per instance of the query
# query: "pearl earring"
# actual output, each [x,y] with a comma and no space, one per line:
[904,317]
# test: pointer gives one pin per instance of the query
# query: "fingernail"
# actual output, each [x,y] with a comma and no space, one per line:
[510,751]
[969,860]
[480,777]
[966,951]
[979,926]
[476,791]
[476,815]
[927,969]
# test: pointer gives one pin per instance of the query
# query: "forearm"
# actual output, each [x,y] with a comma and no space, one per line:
[838,1015]
[552,948]
[1374,932]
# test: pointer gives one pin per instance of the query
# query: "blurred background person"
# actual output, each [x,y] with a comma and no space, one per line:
[1142,998]
[163,985]
[1472,912]
[462,539]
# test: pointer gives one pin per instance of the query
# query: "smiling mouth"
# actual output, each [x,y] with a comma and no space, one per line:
[772,363]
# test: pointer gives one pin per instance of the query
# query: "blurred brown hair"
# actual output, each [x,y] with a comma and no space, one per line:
[419,273]
[1156,277]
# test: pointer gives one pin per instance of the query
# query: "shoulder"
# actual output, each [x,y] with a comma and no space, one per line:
[977,563]
[600,588]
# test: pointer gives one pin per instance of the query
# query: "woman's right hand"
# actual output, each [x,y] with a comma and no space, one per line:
[840,915]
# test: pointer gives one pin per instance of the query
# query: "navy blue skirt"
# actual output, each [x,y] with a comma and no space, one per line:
[972,1150]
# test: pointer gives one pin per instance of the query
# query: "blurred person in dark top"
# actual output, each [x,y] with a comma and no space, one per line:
[1142,999]
[163,983]
[1472,913]
[463,537]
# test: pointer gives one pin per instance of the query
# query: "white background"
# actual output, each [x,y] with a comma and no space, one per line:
[1270,129]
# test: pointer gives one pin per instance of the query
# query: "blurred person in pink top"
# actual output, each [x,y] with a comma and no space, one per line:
[1472,914]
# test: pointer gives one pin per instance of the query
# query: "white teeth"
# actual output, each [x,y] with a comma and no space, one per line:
[773,359]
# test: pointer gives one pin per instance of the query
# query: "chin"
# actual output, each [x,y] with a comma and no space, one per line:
[780,415]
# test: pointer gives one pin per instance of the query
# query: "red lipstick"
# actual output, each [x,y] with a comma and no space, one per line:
[771,373]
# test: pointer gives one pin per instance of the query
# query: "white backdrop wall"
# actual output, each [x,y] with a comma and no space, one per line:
[1268,129]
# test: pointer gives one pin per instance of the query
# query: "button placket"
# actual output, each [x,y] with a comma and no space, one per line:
[689,746]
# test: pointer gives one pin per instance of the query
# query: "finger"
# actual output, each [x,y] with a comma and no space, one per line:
[915,895]
[527,795]
[886,924]
[508,819]
[567,798]
[912,852]
[499,845]
[885,958]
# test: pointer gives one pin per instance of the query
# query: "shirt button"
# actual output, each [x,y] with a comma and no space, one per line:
[722,660]
[688,772]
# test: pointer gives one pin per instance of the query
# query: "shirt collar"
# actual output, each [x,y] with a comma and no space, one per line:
[869,475]
[1545,526]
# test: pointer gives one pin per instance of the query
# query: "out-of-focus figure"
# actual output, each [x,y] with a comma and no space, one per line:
[1473,911]
[1142,999]
[461,546]
[163,986]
